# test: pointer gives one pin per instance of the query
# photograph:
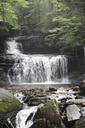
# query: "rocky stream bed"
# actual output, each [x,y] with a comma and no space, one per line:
[50,107]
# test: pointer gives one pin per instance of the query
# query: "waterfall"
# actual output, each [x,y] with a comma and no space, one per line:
[13,47]
[36,68]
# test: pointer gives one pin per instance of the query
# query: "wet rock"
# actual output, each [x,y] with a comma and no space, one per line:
[76,101]
[34,101]
[83,111]
[73,112]
[63,95]
[76,89]
[52,89]
[43,123]
[34,97]
[82,87]
[80,123]
[30,45]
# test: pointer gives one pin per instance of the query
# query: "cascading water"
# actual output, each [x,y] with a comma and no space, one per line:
[36,68]
[23,115]
[13,47]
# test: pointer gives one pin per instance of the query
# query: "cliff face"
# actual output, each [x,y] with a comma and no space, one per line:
[35,44]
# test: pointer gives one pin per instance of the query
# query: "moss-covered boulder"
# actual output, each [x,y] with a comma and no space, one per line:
[8,107]
[48,116]
[8,104]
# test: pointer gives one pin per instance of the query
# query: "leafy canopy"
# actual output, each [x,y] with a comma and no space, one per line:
[8,10]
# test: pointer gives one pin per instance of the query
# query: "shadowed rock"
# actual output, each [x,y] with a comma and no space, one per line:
[48,116]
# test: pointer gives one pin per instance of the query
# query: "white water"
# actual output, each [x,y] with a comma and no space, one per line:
[36,68]
[19,96]
[13,47]
[22,116]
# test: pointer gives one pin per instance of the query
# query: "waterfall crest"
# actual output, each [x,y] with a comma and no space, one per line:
[36,68]
[13,47]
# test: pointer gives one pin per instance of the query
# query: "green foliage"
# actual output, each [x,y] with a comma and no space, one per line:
[68,30]
[67,25]
[62,21]
[8,11]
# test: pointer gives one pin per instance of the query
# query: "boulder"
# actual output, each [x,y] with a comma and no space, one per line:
[48,116]
[51,89]
[8,108]
[83,111]
[76,101]
[73,112]
[80,123]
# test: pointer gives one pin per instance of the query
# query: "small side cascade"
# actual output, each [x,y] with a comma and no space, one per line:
[13,47]
[23,115]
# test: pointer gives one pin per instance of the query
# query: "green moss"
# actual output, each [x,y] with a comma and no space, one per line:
[7,105]
[49,108]
[48,115]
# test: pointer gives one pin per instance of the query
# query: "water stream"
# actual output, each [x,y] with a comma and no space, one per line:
[23,115]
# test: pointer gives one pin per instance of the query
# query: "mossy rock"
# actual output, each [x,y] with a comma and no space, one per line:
[42,123]
[7,101]
[7,105]
[48,116]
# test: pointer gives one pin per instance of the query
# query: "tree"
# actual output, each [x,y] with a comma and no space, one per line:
[61,21]
[68,24]
[8,11]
